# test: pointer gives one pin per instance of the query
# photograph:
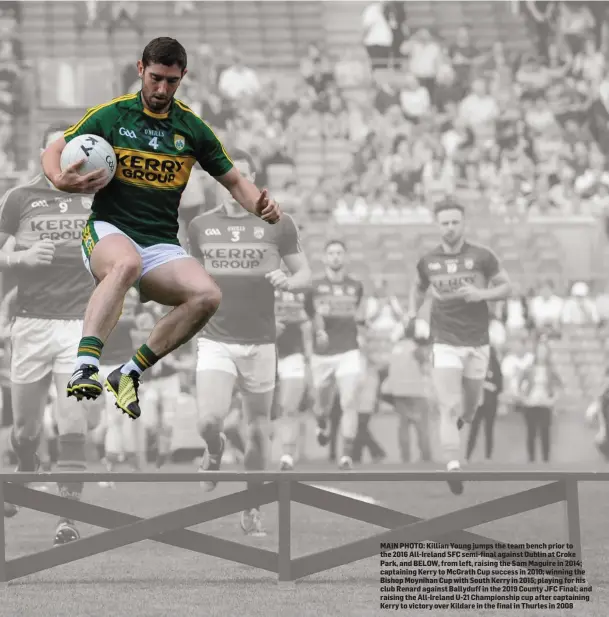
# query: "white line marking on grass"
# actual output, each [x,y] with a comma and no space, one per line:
[338,491]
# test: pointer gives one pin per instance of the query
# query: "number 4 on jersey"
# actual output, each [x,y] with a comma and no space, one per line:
[154,142]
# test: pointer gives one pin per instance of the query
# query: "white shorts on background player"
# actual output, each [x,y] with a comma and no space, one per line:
[473,361]
[40,346]
[152,256]
[335,366]
[291,367]
[254,366]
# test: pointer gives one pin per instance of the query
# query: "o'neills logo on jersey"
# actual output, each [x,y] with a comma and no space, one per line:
[152,170]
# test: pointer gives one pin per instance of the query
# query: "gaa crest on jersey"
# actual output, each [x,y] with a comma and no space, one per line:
[469,263]
[179,141]
[87,203]
[258,233]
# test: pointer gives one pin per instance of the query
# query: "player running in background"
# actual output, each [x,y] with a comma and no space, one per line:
[131,237]
[294,313]
[336,297]
[463,277]
[237,346]
[52,293]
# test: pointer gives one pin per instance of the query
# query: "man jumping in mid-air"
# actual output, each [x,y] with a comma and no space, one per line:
[131,236]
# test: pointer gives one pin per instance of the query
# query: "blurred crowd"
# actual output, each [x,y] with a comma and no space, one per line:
[11,83]
[547,310]
[415,117]
[404,120]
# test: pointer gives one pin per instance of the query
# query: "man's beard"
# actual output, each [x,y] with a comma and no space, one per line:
[157,104]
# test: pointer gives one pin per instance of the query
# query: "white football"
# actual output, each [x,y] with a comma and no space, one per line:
[96,151]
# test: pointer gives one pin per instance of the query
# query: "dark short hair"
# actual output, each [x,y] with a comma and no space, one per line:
[241,155]
[334,241]
[164,50]
[59,127]
[448,204]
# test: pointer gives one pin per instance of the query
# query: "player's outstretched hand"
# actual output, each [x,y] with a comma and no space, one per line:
[40,254]
[278,279]
[70,181]
[267,209]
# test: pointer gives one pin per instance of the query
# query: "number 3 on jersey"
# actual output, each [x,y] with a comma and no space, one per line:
[154,142]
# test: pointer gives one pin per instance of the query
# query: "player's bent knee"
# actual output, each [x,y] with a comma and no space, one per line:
[128,270]
[212,297]
[206,300]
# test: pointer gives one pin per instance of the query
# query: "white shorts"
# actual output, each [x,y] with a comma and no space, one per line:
[291,367]
[253,365]
[41,346]
[152,256]
[473,361]
[327,368]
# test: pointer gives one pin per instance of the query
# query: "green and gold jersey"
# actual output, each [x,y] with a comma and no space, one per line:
[155,154]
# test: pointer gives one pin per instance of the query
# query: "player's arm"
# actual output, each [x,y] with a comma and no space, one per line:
[418,291]
[249,196]
[307,341]
[318,322]
[300,272]
[6,313]
[69,180]
[308,329]
[279,325]
[193,239]
[499,284]
[498,376]
[214,159]
[290,250]
[361,316]
[10,214]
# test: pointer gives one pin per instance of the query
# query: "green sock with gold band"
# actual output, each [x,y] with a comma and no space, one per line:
[143,359]
[89,350]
